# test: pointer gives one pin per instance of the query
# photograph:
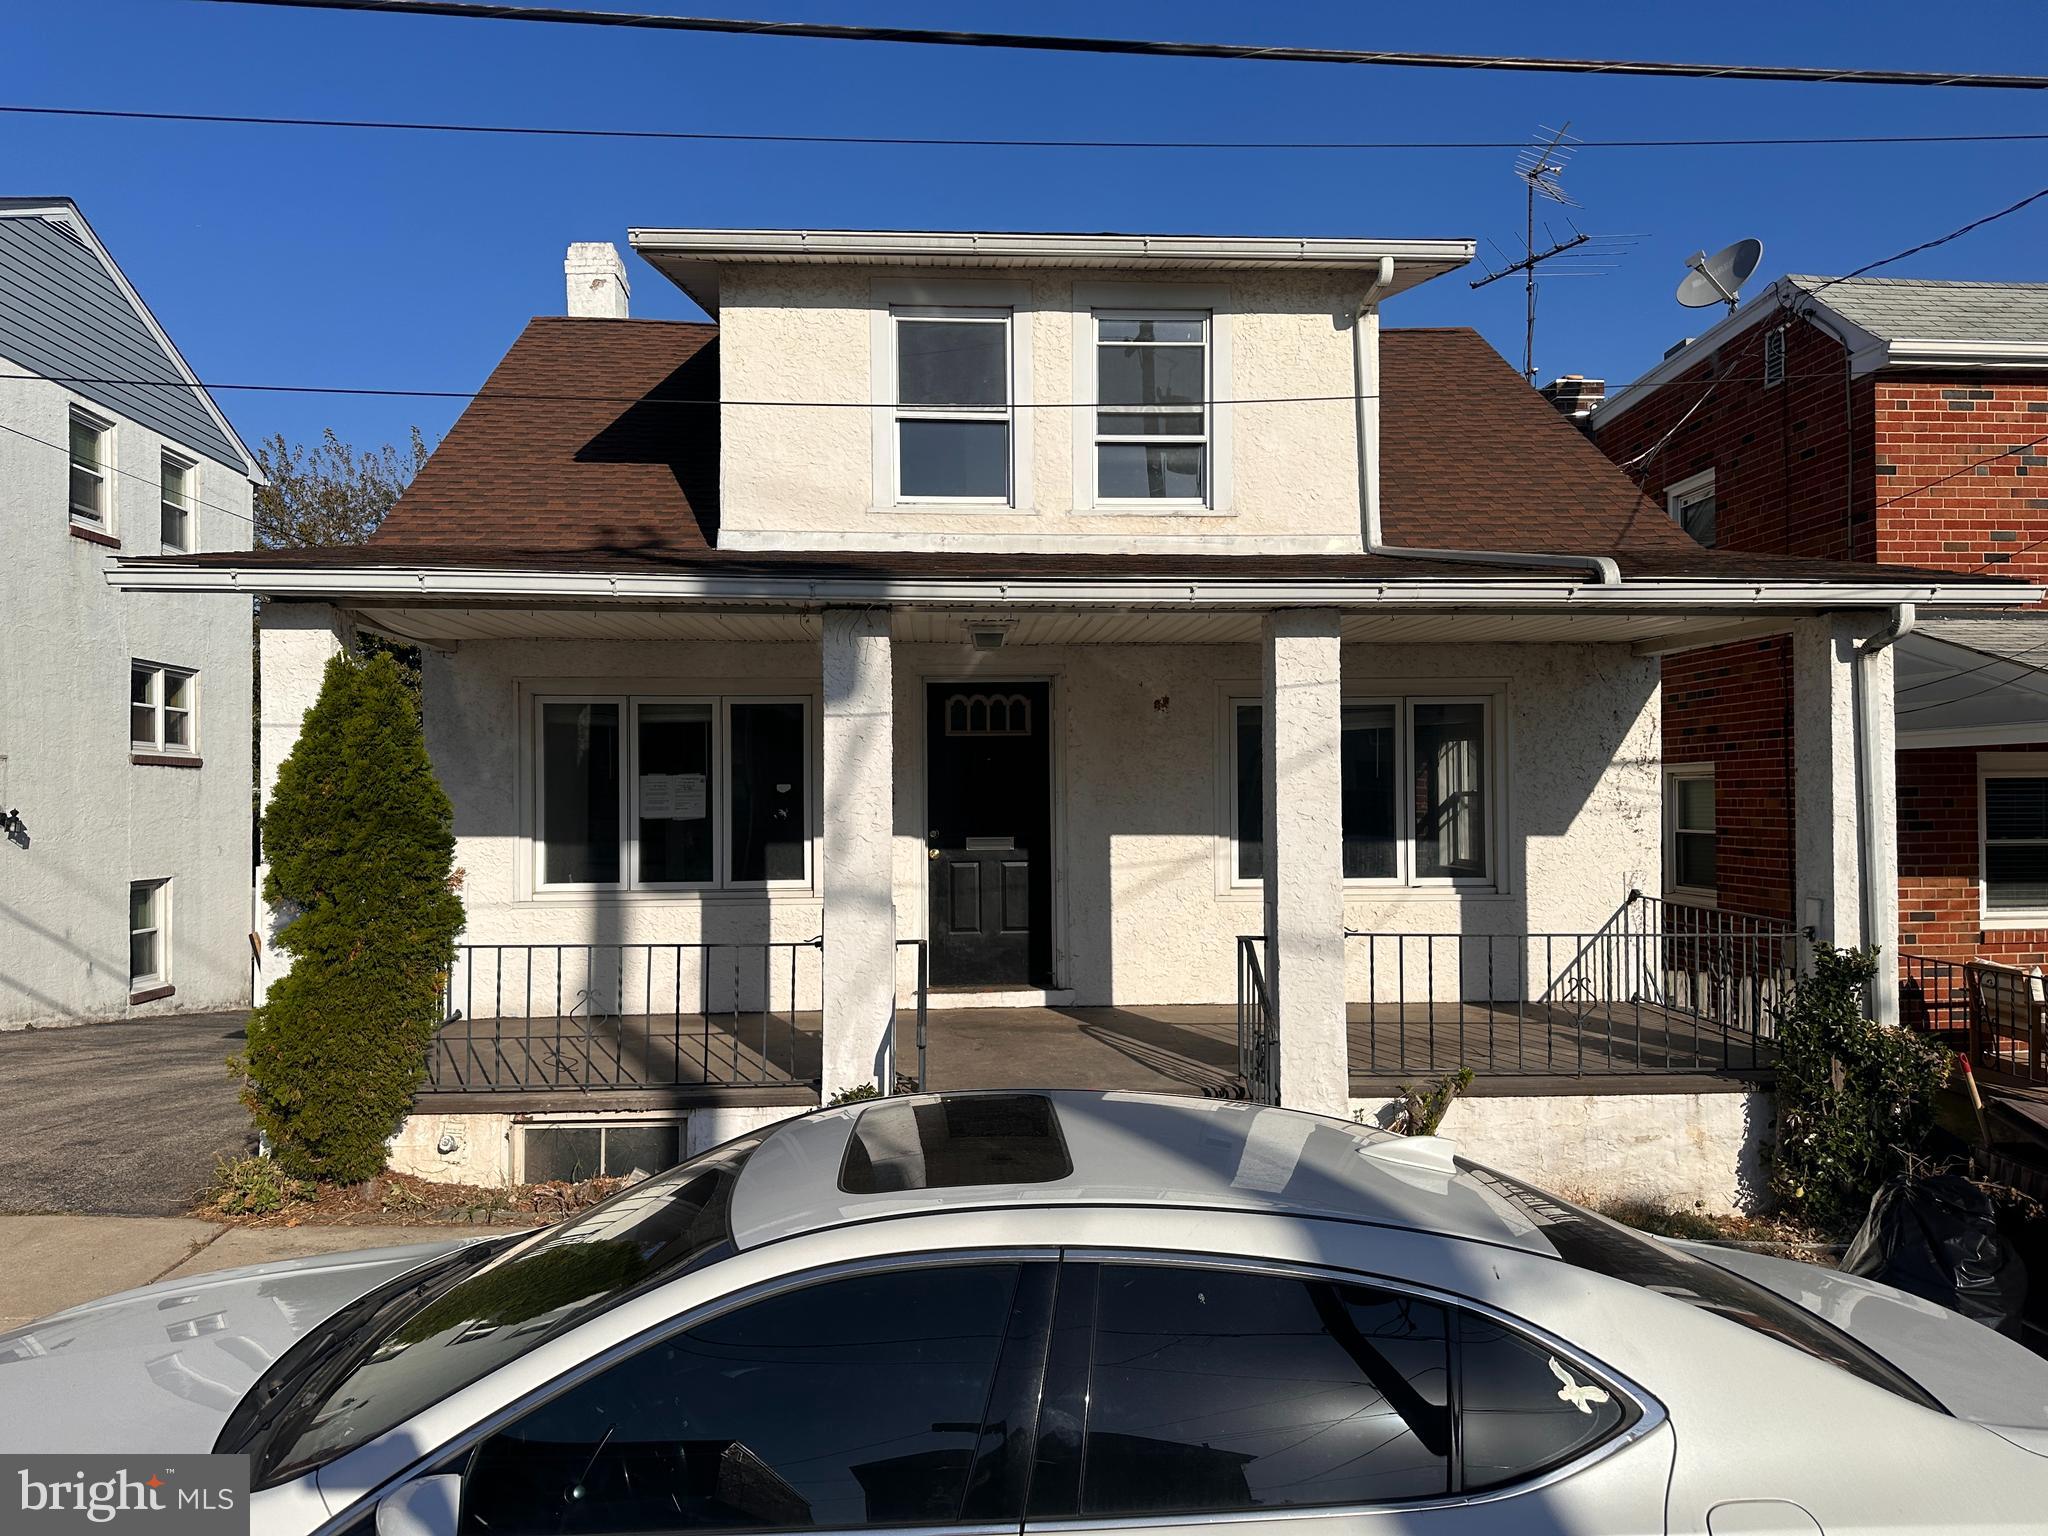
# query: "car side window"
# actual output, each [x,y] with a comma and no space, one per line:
[1522,1409]
[1216,1390]
[854,1402]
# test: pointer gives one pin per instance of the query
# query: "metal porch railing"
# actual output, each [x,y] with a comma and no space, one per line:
[1995,1014]
[1258,1047]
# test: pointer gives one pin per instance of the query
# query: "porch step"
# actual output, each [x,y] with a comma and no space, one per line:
[1020,997]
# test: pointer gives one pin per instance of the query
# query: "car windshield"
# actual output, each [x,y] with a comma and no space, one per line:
[1592,1242]
[411,1357]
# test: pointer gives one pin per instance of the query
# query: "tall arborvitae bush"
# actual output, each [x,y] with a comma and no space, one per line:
[360,840]
[1855,1098]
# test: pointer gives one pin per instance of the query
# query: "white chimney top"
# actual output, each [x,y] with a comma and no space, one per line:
[597,281]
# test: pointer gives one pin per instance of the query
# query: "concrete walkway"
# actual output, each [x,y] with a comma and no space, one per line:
[119,1117]
[55,1262]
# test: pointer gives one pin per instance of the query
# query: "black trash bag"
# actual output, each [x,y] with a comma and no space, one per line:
[1938,1237]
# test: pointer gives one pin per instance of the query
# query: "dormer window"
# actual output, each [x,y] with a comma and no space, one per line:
[953,404]
[1152,407]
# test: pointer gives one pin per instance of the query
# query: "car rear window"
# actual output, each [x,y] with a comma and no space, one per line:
[1591,1242]
[992,1138]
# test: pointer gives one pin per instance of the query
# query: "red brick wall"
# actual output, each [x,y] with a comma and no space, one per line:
[1988,517]
[1731,706]
[1939,913]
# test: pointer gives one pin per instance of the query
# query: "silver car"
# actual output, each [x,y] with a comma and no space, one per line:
[1059,1312]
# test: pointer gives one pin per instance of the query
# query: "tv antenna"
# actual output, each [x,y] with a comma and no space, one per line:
[1541,169]
[1718,279]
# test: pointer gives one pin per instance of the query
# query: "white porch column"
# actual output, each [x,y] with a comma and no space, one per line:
[1845,843]
[1304,878]
[299,639]
[860,910]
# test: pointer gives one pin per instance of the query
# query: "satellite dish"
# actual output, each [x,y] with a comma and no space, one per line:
[1718,279]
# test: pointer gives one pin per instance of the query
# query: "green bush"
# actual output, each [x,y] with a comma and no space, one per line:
[1854,1097]
[360,840]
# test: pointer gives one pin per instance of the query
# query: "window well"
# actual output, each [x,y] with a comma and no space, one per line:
[997,1138]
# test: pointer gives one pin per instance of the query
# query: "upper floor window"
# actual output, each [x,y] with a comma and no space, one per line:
[91,466]
[1152,406]
[953,404]
[161,704]
[176,493]
[1691,503]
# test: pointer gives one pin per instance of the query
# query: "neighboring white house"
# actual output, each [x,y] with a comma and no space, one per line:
[125,761]
[1016,645]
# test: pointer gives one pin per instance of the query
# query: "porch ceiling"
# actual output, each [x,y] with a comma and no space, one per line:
[923,626]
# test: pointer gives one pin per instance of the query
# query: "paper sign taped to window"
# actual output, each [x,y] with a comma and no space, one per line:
[672,797]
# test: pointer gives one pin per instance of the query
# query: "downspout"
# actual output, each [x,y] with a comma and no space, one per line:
[1877,825]
[1365,356]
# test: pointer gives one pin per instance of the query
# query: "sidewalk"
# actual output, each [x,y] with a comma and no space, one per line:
[55,1262]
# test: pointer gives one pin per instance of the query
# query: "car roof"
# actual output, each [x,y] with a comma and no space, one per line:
[1143,1151]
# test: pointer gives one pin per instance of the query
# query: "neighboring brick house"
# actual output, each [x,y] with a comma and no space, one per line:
[1868,419]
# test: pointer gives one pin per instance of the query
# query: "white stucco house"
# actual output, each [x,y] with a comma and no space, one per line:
[125,762]
[1079,660]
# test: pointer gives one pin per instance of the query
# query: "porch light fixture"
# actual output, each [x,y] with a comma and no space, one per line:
[987,639]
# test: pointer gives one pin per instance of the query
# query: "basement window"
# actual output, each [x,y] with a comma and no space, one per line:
[570,1152]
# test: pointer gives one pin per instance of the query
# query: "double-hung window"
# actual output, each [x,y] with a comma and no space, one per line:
[1152,406]
[953,404]
[1691,504]
[91,466]
[162,703]
[2015,861]
[149,933]
[671,793]
[1689,832]
[1416,784]
[176,495]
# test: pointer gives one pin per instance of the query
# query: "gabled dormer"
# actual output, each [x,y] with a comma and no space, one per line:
[1021,392]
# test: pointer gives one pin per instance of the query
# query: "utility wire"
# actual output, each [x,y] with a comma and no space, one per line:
[1928,245]
[525,130]
[129,474]
[476,10]
[1976,693]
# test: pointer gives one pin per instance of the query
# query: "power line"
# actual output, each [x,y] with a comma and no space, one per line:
[1928,245]
[128,474]
[911,141]
[1921,709]
[477,10]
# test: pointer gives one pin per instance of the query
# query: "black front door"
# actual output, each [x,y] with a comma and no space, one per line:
[990,837]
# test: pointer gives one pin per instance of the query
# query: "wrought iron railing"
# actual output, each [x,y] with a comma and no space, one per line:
[518,1018]
[1934,998]
[1996,1014]
[1258,1047]
[923,953]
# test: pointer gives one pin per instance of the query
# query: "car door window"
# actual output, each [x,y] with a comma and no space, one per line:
[1215,1390]
[1522,1409]
[854,1402]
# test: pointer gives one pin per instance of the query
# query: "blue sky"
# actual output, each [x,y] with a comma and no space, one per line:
[408,260]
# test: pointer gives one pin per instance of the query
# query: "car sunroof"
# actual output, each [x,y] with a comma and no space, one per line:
[996,1138]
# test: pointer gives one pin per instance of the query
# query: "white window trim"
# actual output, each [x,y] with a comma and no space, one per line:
[720,809]
[1696,894]
[158,703]
[1153,298]
[1097,437]
[190,508]
[2003,765]
[103,467]
[971,299]
[161,976]
[1679,492]
[1403,699]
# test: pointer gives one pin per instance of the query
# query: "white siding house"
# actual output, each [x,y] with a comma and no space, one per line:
[1071,660]
[124,722]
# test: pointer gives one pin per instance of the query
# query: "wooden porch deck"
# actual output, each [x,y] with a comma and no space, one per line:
[1191,1049]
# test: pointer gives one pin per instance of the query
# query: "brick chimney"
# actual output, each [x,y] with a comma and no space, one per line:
[597,281]
[1575,395]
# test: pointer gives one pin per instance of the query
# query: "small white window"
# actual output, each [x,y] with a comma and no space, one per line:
[1689,830]
[149,933]
[1774,356]
[91,465]
[2015,854]
[162,705]
[177,494]
[1691,502]
[1152,407]
[953,397]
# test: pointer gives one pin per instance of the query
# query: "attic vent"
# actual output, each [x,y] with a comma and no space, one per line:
[67,229]
[1774,357]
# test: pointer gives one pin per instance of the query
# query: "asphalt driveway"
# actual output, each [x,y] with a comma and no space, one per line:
[123,1118]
